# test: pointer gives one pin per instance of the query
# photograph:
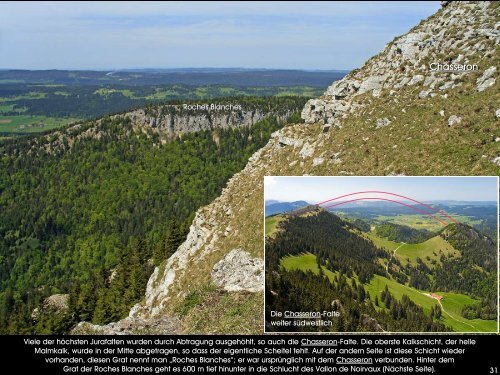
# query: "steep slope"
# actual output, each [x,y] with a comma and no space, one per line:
[391,116]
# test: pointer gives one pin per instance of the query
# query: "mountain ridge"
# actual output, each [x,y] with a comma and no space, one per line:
[163,122]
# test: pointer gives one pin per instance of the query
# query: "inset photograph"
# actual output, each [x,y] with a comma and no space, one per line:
[381,254]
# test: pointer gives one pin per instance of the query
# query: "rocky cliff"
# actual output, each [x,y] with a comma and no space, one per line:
[394,115]
[170,120]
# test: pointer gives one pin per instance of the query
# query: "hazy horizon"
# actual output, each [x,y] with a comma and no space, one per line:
[173,69]
[315,189]
[117,36]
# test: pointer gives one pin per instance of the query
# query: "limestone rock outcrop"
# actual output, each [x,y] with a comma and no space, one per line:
[405,61]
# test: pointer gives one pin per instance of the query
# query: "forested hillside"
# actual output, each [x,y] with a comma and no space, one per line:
[319,262]
[93,220]
[346,263]
[402,233]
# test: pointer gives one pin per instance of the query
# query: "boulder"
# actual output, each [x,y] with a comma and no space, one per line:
[424,94]
[416,79]
[372,83]
[343,88]
[382,122]
[307,151]
[453,120]
[318,161]
[287,141]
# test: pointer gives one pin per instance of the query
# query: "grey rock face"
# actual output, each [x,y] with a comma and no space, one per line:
[55,304]
[287,141]
[371,83]
[343,88]
[424,94]
[314,111]
[453,120]
[370,324]
[238,271]
[487,79]
[416,79]
[408,45]
[170,121]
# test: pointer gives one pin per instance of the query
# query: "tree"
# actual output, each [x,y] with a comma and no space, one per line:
[437,312]
[174,239]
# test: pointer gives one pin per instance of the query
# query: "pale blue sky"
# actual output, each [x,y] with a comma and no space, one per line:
[317,189]
[106,35]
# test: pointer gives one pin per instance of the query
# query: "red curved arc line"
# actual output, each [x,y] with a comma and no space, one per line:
[389,200]
[441,212]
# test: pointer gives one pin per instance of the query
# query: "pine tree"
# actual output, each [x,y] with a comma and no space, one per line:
[174,239]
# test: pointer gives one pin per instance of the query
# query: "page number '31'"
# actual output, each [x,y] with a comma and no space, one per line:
[493,370]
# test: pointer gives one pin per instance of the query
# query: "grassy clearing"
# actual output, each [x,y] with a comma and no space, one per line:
[271,224]
[413,221]
[430,250]
[378,283]
[6,108]
[160,94]
[382,243]
[453,304]
[305,262]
